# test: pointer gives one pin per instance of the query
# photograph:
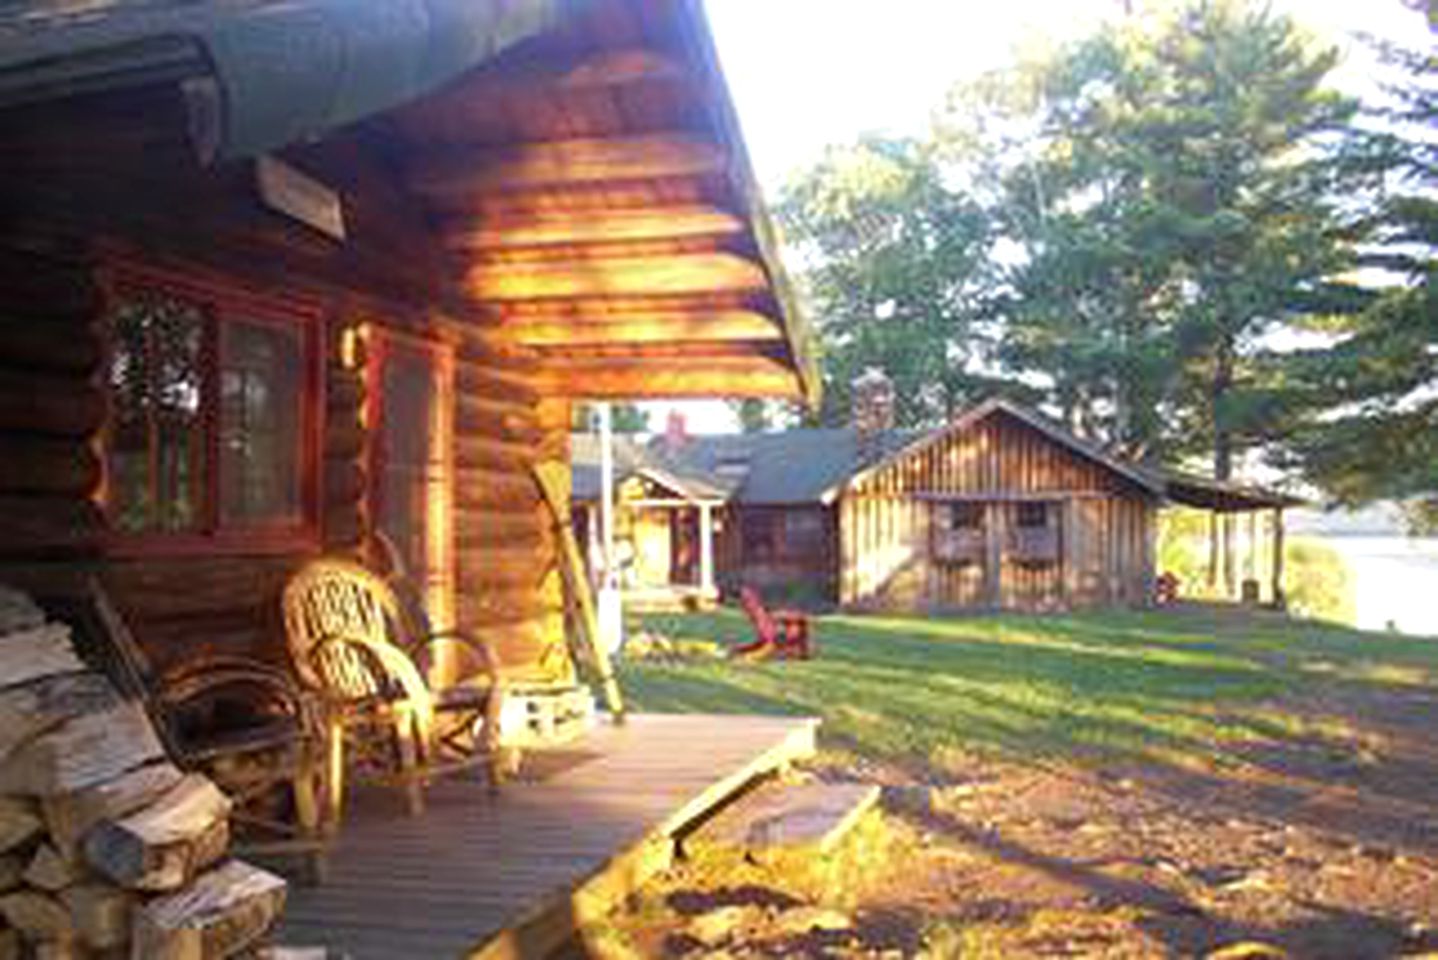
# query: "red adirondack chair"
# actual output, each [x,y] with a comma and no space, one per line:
[777,634]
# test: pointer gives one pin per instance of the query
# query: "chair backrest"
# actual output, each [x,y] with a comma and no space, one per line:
[763,623]
[328,599]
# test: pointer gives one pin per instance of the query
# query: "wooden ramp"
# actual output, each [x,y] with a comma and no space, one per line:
[513,874]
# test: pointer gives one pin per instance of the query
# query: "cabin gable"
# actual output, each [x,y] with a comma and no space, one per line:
[996,512]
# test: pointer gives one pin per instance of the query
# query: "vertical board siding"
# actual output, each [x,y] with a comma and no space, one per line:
[1105,526]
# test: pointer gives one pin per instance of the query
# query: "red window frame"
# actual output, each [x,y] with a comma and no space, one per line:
[223,298]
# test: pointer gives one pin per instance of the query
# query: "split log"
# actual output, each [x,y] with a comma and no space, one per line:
[30,524]
[29,710]
[38,916]
[100,914]
[61,406]
[225,911]
[20,823]
[50,871]
[45,466]
[70,816]
[163,846]
[82,752]
[18,611]
[12,871]
[34,654]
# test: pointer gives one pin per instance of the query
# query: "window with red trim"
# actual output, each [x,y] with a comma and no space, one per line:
[212,414]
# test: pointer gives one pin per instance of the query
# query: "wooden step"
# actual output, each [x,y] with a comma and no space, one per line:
[783,818]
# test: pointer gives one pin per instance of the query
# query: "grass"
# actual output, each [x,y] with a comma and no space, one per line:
[1175,686]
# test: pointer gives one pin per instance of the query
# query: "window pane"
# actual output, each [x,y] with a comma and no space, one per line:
[261,395]
[157,455]
[1033,515]
[409,469]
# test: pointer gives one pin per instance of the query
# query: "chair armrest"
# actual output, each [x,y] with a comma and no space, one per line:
[391,662]
[195,680]
[488,662]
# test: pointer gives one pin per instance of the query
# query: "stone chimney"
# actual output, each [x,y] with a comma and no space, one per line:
[872,398]
[676,432]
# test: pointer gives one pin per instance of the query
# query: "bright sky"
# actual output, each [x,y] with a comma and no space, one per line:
[809,73]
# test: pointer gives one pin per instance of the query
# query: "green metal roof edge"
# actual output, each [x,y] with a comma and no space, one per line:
[798,330]
[287,72]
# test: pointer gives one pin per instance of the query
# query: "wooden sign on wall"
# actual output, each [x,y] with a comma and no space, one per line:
[300,197]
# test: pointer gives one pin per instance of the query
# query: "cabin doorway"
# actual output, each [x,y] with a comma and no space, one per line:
[684,548]
[410,400]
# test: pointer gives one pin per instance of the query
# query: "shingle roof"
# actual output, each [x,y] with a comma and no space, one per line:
[807,466]
[287,70]
[789,467]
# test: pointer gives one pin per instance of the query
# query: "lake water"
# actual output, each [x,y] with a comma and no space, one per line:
[1395,578]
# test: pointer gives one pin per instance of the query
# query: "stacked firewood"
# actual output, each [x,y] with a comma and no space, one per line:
[106,849]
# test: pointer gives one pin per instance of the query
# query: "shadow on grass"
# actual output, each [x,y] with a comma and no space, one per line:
[1211,705]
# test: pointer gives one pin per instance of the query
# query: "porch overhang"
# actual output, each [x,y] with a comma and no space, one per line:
[580,161]
[592,190]
[1218,496]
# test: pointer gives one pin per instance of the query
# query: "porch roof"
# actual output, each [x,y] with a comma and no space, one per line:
[580,162]
[1206,493]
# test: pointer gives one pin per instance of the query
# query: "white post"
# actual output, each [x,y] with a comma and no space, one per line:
[610,612]
[706,548]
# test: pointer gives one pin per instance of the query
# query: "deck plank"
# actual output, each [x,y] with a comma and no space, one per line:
[479,873]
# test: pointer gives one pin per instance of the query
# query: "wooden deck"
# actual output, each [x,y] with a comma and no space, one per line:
[514,874]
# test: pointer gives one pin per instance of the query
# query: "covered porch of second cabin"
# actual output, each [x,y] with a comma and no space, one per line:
[1242,537]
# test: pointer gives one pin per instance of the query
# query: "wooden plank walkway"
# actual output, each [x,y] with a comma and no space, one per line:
[514,874]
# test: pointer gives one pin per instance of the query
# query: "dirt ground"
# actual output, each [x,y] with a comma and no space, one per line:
[1324,847]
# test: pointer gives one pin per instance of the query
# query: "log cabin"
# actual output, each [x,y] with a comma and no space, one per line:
[1002,509]
[277,277]
[274,277]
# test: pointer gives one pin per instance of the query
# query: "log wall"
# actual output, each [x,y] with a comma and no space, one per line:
[83,180]
[889,521]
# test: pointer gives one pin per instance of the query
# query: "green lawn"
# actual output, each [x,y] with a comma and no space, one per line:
[1162,685]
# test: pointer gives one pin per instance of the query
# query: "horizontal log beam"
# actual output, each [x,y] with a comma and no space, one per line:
[540,331]
[670,378]
[570,229]
[469,170]
[677,275]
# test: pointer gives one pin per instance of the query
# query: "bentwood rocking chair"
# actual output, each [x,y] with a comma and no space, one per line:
[241,721]
[352,641]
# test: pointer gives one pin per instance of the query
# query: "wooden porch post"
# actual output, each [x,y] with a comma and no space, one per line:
[1280,599]
[706,547]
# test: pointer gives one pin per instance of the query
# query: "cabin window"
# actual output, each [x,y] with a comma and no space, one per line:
[1031,515]
[211,410]
[803,534]
[759,529]
[966,516]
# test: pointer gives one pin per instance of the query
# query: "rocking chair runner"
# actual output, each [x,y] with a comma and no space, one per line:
[241,722]
[352,641]
[779,633]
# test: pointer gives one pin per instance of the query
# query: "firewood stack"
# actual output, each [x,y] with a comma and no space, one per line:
[106,849]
